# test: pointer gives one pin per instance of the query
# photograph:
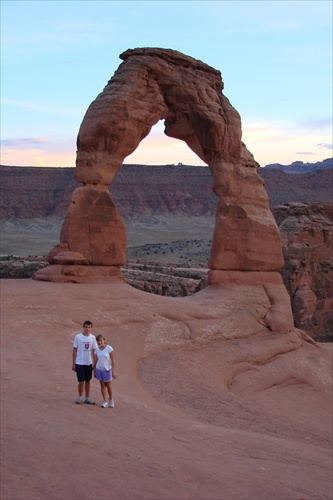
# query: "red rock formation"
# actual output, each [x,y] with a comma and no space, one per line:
[93,234]
[155,84]
[307,237]
[94,228]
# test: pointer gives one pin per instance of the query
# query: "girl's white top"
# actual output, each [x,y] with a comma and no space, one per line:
[103,358]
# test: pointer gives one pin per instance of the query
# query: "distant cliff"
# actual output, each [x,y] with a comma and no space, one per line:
[307,240]
[298,167]
[142,190]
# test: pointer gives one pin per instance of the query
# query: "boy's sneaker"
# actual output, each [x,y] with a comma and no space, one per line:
[111,403]
[79,400]
[89,401]
[105,404]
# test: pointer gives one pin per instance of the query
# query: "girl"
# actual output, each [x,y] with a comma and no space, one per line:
[104,369]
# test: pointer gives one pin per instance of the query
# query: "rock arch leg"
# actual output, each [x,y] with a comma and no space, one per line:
[94,228]
[246,237]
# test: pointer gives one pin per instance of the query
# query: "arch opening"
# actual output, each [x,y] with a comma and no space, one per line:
[170,218]
[157,148]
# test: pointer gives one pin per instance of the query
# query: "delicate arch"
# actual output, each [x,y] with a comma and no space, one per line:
[153,84]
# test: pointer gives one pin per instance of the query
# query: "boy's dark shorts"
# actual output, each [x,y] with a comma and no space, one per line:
[83,372]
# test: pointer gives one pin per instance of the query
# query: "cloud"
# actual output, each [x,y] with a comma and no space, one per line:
[45,108]
[283,141]
[261,132]
[315,123]
[39,151]
[325,145]
[22,143]
[73,26]
[37,157]
[58,33]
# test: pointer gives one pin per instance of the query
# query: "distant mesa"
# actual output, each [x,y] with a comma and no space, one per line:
[187,190]
[298,167]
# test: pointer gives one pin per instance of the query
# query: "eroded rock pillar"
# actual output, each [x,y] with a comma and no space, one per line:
[93,227]
[92,240]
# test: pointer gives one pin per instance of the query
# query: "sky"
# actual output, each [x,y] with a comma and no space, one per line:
[275,58]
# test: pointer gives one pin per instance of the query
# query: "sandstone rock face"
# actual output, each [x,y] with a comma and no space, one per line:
[76,273]
[94,228]
[304,305]
[307,236]
[14,267]
[151,85]
[278,316]
[164,280]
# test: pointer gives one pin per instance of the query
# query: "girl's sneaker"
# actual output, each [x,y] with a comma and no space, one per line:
[105,404]
[111,403]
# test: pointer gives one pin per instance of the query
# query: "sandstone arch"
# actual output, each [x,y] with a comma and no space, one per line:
[153,84]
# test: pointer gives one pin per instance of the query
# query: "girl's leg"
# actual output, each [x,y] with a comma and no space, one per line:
[109,389]
[103,390]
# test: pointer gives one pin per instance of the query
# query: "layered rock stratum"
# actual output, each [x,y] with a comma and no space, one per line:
[141,191]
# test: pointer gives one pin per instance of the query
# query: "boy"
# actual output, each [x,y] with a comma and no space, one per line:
[84,346]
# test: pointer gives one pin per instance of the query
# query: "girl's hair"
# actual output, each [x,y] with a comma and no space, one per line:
[88,323]
[100,337]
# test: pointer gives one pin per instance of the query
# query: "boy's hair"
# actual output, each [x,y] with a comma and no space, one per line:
[100,337]
[88,323]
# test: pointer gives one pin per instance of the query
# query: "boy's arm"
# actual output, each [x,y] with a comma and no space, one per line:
[114,375]
[74,358]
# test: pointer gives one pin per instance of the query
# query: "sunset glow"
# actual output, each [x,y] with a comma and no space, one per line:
[58,56]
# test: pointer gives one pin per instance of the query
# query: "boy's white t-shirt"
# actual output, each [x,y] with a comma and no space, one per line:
[84,345]
[103,358]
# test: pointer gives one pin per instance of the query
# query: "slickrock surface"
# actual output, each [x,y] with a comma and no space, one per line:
[209,403]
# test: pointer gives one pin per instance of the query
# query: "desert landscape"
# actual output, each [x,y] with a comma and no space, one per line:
[223,391]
